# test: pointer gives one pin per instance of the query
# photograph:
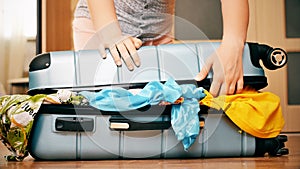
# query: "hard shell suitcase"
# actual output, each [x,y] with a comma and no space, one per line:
[63,132]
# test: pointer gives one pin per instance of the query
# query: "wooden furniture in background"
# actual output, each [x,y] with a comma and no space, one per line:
[57,16]
[18,86]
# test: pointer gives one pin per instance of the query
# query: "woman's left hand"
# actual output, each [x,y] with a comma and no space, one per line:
[227,66]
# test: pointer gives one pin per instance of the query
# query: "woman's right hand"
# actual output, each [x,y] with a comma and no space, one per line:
[121,47]
[109,34]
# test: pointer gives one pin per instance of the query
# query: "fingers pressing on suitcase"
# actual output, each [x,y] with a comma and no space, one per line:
[227,67]
[102,51]
[120,46]
[202,74]
[217,81]
[115,54]
[204,70]
[230,66]
[126,51]
[240,85]
[131,45]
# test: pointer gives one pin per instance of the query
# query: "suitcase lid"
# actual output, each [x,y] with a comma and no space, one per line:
[84,70]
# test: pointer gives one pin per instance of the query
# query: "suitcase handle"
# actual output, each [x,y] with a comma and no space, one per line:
[272,58]
[121,123]
[163,122]
[74,124]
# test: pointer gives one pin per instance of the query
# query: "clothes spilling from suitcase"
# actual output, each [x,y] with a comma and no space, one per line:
[82,107]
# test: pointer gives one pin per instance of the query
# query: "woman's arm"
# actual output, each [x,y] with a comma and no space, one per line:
[235,20]
[102,12]
[227,62]
[103,15]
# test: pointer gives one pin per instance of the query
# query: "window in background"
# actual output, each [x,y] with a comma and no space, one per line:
[30,32]
[28,20]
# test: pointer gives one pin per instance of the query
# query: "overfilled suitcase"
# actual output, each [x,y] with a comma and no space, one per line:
[62,132]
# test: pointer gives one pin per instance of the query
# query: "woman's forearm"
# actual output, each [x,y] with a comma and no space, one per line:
[235,20]
[102,12]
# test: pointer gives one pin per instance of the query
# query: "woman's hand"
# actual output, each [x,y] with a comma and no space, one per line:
[227,66]
[121,47]
[109,34]
[227,62]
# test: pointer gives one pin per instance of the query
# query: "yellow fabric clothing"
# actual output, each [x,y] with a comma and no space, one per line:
[257,113]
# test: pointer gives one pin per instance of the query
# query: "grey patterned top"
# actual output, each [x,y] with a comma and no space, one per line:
[144,19]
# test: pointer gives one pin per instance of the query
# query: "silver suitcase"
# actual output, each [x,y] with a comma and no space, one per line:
[68,132]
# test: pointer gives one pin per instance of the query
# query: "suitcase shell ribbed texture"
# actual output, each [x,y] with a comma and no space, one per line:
[71,133]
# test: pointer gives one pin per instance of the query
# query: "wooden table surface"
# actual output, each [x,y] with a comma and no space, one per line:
[291,161]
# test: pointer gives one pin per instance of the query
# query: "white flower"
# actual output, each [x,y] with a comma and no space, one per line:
[64,95]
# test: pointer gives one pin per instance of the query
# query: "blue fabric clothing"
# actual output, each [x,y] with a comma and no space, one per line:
[184,116]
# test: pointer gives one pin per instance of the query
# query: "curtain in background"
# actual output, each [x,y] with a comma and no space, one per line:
[12,39]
